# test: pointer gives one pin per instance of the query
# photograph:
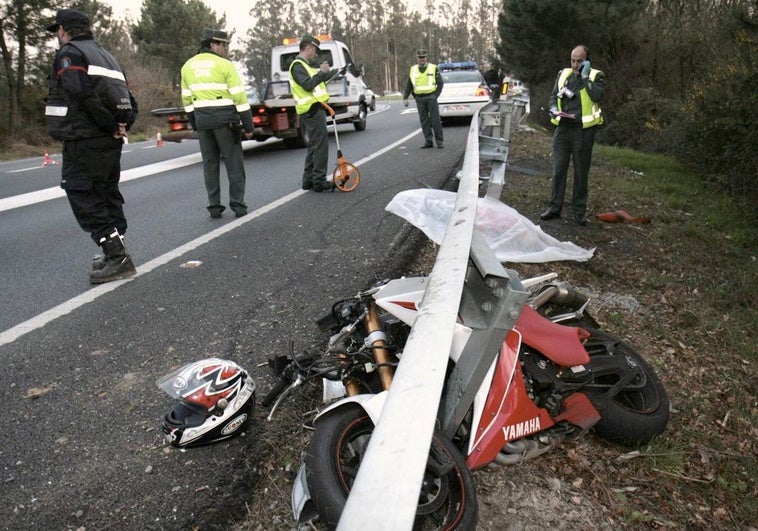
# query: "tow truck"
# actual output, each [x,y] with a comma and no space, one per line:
[275,116]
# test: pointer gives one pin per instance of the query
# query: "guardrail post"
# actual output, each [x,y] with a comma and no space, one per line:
[497,120]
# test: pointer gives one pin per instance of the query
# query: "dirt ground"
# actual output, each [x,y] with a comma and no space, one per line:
[701,474]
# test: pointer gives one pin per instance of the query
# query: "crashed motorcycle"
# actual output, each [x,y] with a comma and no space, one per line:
[528,368]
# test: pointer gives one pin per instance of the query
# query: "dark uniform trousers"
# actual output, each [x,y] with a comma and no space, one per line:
[429,116]
[571,141]
[223,142]
[90,174]
[317,156]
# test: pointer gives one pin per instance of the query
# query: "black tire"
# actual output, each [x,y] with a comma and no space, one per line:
[447,499]
[638,412]
[360,124]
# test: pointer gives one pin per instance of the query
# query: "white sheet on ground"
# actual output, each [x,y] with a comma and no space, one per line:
[511,236]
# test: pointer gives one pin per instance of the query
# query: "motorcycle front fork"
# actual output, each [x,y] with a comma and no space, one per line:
[377,340]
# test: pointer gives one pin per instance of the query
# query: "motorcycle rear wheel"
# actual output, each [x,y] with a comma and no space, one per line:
[633,416]
[448,495]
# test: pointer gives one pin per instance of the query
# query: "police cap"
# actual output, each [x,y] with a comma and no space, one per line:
[421,53]
[310,39]
[210,34]
[65,17]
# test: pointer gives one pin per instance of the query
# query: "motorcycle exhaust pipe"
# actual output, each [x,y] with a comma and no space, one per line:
[560,294]
[569,296]
[516,452]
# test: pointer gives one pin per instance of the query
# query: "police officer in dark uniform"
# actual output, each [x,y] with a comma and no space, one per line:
[90,108]
[494,80]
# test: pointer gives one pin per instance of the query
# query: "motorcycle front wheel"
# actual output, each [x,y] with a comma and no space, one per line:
[636,412]
[448,496]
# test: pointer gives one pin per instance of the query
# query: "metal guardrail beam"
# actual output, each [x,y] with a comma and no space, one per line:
[397,453]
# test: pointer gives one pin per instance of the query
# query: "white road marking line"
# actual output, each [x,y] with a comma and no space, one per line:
[90,295]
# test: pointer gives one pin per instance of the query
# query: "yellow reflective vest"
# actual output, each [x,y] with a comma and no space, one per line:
[213,90]
[591,113]
[304,98]
[424,82]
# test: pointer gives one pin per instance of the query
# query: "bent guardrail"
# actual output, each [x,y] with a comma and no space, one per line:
[397,453]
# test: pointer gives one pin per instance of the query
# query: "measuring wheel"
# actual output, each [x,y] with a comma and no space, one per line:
[346,176]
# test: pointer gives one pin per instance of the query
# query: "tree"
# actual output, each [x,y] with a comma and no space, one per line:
[275,19]
[22,27]
[171,30]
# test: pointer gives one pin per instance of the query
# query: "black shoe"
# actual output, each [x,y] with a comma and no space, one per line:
[307,187]
[240,213]
[440,146]
[549,214]
[581,220]
[216,210]
[115,268]
[427,146]
[326,186]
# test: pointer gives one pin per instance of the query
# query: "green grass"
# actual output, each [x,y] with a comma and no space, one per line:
[669,182]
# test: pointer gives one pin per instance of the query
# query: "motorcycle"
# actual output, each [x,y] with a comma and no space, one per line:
[554,375]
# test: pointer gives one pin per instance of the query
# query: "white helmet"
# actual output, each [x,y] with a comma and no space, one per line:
[216,399]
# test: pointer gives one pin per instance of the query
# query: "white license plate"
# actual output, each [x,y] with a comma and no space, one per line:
[456,108]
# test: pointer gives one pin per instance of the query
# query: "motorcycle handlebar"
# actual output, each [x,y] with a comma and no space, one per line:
[281,384]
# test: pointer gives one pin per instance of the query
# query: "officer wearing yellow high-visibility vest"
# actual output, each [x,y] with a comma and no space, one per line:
[425,83]
[308,84]
[214,98]
[575,111]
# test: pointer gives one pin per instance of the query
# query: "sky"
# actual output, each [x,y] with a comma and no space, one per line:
[237,11]
[237,17]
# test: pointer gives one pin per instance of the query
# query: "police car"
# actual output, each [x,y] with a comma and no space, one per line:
[464,90]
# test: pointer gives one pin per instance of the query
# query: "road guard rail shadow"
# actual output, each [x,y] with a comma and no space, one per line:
[465,275]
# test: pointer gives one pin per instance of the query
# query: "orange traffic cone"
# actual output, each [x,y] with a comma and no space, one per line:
[48,161]
[158,140]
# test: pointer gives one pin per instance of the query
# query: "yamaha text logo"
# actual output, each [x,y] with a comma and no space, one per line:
[234,425]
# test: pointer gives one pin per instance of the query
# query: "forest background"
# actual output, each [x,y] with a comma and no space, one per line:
[682,74]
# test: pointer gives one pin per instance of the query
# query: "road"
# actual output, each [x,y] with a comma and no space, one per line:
[80,439]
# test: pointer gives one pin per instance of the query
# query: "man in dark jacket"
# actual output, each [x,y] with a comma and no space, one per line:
[494,80]
[89,107]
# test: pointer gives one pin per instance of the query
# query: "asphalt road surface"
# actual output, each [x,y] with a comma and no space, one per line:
[80,444]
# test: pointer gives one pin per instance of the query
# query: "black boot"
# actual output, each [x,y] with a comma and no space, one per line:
[117,264]
[99,260]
